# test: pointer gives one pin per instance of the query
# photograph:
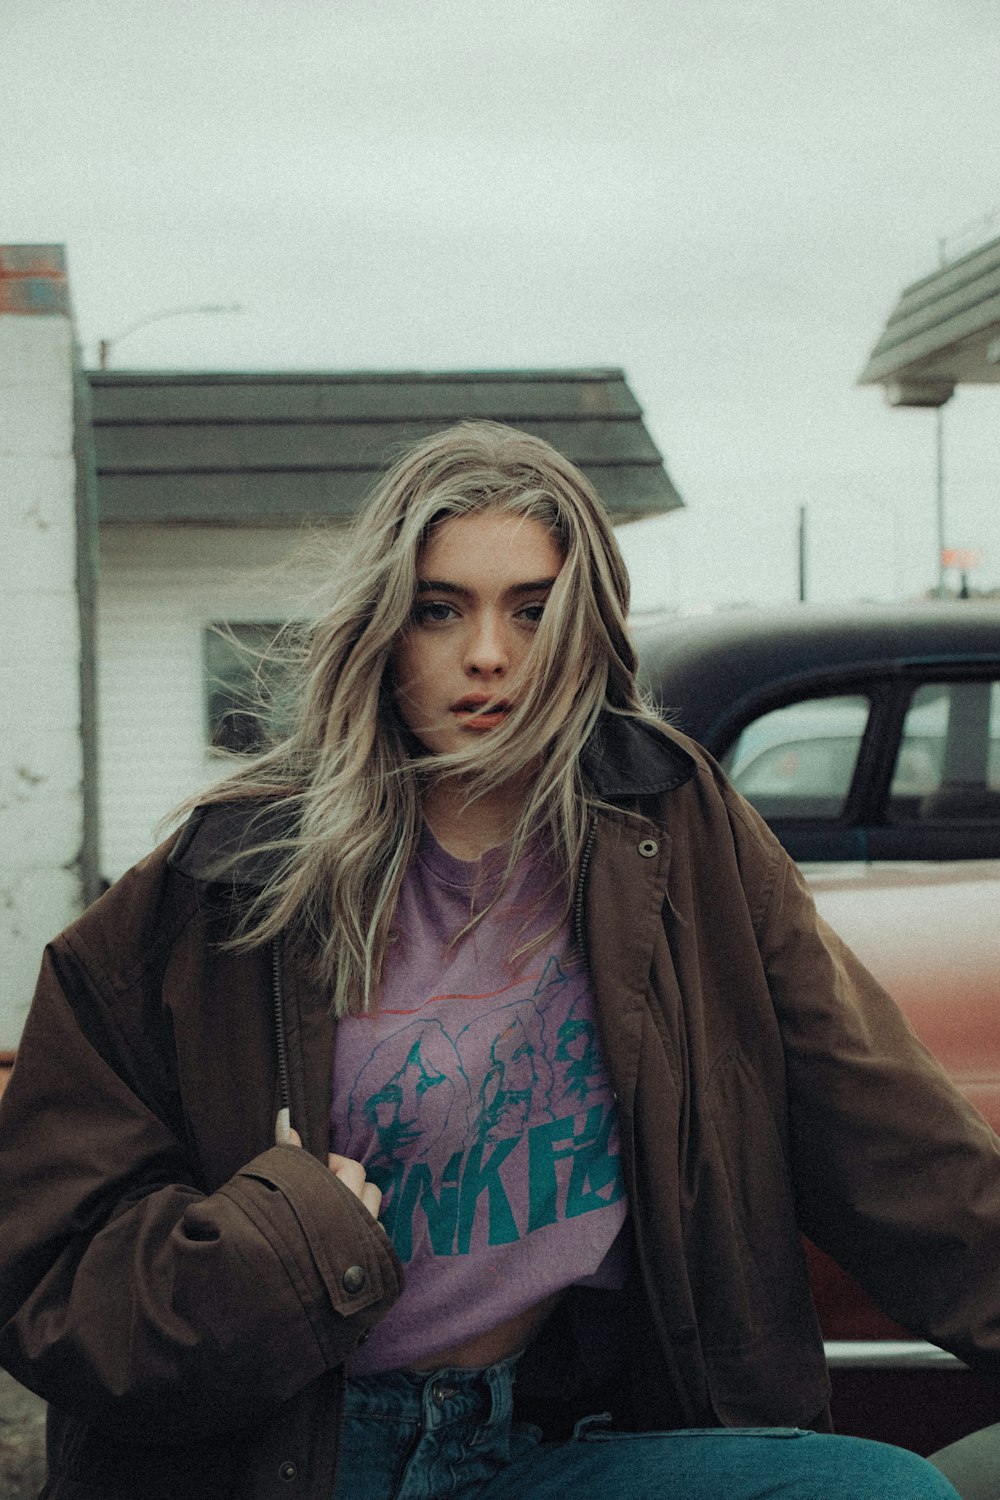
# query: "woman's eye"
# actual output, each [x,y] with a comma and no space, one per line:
[433,612]
[532,613]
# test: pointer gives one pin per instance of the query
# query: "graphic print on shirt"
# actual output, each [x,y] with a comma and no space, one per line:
[483,1132]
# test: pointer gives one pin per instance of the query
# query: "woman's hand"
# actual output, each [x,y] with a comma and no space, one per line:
[351,1174]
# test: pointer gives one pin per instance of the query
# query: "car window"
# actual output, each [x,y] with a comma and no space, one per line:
[948,767]
[798,760]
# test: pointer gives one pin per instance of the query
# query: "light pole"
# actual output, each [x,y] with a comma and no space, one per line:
[105,346]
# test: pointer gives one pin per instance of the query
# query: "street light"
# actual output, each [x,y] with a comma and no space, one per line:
[105,346]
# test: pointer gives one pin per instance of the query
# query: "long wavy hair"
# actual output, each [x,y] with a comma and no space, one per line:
[350,774]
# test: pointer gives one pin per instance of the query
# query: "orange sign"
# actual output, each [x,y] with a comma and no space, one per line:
[960,557]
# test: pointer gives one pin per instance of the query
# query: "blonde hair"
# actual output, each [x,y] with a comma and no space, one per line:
[348,771]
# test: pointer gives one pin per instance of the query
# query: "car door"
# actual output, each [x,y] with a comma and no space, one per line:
[886,790]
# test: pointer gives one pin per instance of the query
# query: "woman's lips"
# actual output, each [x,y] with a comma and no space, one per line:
[467,710]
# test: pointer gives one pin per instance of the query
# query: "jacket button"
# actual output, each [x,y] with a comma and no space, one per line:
[649,848]
[288,1471]
[355,1278]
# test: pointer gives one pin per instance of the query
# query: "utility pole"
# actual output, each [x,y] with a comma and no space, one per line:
[939,462]
[939,496]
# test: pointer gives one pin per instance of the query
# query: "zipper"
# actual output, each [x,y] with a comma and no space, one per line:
[283,1124]
[588,850]
[281,1132]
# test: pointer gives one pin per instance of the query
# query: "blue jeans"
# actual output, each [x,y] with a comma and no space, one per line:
[416,1435]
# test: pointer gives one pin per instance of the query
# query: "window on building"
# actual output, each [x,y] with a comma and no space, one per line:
[246,684]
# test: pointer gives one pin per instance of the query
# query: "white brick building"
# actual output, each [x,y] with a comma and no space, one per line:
[47,829]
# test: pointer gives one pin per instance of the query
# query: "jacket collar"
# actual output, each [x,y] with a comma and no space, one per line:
[233,843]
[626,758]
[227,843]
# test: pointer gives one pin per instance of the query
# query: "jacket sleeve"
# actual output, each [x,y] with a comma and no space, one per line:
[897,1176]
[128,1295]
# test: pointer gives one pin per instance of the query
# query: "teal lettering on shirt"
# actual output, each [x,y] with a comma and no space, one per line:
[479,1177]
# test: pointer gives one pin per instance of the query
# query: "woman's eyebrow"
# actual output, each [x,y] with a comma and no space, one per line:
[535,586]
[444,586]
[441,586]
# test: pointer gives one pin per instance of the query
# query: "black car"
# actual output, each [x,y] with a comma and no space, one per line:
[870,733]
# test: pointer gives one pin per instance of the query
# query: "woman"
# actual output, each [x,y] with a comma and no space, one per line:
[560,1058]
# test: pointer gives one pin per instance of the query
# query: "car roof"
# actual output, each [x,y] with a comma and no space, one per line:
[704,670]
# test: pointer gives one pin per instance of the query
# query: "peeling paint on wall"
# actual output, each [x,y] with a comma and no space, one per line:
[41,759]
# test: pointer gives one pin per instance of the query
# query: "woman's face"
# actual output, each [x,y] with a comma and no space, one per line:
[483,580]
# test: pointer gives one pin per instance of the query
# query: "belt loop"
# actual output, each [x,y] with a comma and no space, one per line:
[499,1380]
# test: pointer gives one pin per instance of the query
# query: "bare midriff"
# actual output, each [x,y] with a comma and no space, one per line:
[499,1343]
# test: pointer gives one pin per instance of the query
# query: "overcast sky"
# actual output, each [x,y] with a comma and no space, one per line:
[724,197]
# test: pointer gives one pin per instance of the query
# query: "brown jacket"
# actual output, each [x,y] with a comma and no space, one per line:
[184,1292]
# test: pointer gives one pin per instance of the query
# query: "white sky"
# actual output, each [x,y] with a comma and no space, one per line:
[724,197]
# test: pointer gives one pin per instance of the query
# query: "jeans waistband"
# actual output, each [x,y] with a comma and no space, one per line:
[430,1398]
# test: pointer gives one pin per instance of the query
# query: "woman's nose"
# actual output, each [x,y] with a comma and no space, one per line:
[488,652]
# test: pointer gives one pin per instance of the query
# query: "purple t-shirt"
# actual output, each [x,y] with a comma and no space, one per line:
[478,1101]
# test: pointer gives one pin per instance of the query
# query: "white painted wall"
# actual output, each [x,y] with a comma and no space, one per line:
[159,587]
[41,759]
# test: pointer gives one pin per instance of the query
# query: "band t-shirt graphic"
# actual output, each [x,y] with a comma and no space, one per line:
[478,1102]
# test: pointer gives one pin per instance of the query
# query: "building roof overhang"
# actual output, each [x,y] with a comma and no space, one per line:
[277,449]
[943,332]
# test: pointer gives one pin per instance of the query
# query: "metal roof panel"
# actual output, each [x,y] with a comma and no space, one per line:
[941,319]
[262,449]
